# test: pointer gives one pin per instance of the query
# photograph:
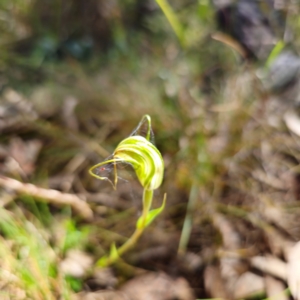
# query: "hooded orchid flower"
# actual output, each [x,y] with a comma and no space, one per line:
[147,162]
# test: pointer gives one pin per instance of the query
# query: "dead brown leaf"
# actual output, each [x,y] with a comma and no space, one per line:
[157,286]
[101,295]
[248,285]
[270,265]
[22,155]
[77,263]
[293,270]
[275,288]
[214,283]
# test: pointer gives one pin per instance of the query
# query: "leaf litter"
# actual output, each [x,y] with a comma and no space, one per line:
[242,153]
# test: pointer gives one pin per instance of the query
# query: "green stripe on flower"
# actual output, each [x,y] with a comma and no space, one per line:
[142,155]
[145,159]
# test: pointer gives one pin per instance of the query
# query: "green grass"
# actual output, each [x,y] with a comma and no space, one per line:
[30,265]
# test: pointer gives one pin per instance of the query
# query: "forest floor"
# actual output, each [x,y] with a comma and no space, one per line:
[231,150]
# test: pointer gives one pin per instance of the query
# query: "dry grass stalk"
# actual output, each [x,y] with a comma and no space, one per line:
[48,195]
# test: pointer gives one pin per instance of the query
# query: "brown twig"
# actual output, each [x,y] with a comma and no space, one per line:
[48,195]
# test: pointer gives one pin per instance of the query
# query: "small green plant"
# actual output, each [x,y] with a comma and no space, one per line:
[148,164]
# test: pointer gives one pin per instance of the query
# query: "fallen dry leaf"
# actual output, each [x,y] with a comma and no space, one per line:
[293,270]
[104,277]
[24,154]
[15,110]
[151,286]
[214,283]
[249,285]
[157,286]
[77,263]
[275,288]
[292,121]
[100,295]
[270,265]
[229,266]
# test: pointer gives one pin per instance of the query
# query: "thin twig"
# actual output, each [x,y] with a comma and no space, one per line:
[48,195]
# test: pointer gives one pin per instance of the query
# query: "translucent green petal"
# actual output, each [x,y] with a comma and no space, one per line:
[145,159]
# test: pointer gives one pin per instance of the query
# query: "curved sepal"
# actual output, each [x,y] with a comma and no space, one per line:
[113,161]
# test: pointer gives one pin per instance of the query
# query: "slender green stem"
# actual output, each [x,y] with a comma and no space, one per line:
[147,201]
[126,246]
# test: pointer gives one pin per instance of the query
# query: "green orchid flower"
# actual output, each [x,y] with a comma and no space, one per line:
[147,162]
[143,156]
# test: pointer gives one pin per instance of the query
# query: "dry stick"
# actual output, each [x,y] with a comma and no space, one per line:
[49,195]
